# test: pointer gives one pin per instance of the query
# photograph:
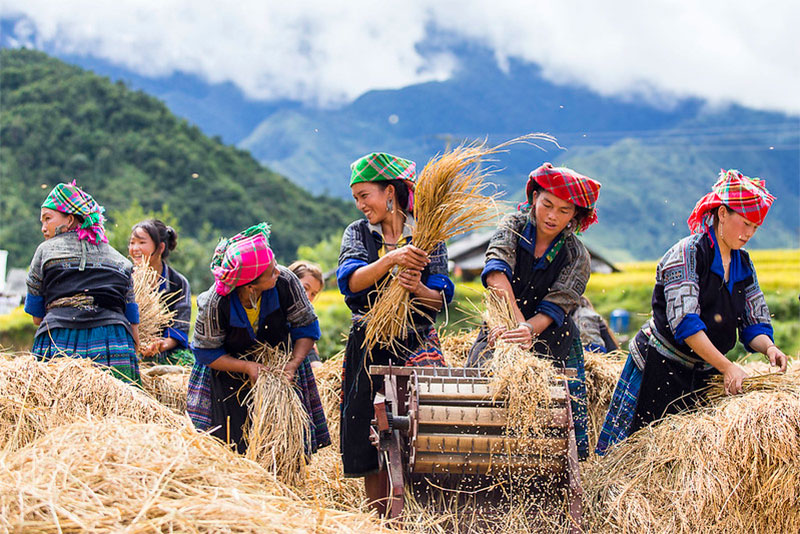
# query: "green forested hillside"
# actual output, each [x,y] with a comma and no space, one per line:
[59,122]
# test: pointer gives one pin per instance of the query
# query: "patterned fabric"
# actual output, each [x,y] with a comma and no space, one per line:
[620,413]
[241,259]
[677,272]
[567,185]
[109,346]
[578,399]
[198,397]
[380,166]
[744,195]
[571,281]
[429,352]
[309,395]
[70,199]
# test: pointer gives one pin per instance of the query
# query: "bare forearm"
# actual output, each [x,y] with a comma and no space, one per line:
[429,298]
[368,275]
[300,350]
[499,283]
[540,322]
[703,347]
[230,364]
[761,343]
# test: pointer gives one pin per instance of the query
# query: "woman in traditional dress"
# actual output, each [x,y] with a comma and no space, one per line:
[80,290]
[152,240]
[706,294]
[372,249]
[536,261]
[253,299]
[310,275]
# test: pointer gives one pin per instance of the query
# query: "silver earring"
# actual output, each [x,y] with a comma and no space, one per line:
[253,300]
[390,205]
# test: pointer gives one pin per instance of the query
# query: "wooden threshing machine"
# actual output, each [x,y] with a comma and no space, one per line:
[443,421]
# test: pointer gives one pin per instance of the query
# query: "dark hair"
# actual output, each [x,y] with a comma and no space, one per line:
[580,212]
[400,192]
[159,233]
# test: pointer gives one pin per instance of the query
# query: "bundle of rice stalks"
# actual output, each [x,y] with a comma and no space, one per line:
[760,380]
[450,199]
[38,396]
[154,312]
[733,467]
[602,374]
[518,376]
[111,475]
[169,384]
[455,346]
[329,385]
[278,423]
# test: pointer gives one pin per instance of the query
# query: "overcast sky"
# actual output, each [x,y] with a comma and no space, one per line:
[331,52]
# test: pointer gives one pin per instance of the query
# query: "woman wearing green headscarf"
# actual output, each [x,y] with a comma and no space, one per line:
[80,290]
[372,249]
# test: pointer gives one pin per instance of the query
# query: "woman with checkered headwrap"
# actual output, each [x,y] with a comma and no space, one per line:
[252,300]
[706,295]
[536,258]
[80,290]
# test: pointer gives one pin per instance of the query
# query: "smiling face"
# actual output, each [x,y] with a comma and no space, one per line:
[54,222]
[552,214]
[312,286]
[371,200]
[141,246]
[733,229]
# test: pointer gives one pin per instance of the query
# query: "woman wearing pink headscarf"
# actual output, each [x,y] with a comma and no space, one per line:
[253,299]
[706,295]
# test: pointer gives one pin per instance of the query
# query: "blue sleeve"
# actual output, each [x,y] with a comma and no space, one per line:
[34,305]
[132,312]
[748,333]
[343,272]
[552,310]
[177,335]
[495,265]
[310,330]
[207,356]
[689,325]
[440,282]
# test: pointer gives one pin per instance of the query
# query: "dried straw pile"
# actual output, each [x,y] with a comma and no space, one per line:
[449,199]
[169,384]
[760,379]
[518,376]
[602,374]
[37,396]
[731,467]
[111,475]
[455,346]
[278,422]
[325,478]
[154,312]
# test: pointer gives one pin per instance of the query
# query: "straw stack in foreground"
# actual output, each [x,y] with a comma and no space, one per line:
[112,475]
[169,384]
[450,199]
[37,396]
[732,467]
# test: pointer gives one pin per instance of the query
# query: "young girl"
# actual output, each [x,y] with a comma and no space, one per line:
[154,240]
[372,248]
[310,275]
[706,293]
[538,263]
[252,299]
[80,290]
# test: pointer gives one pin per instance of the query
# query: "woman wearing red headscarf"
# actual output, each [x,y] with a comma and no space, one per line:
[706,293]
[253,299]
[535,257]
